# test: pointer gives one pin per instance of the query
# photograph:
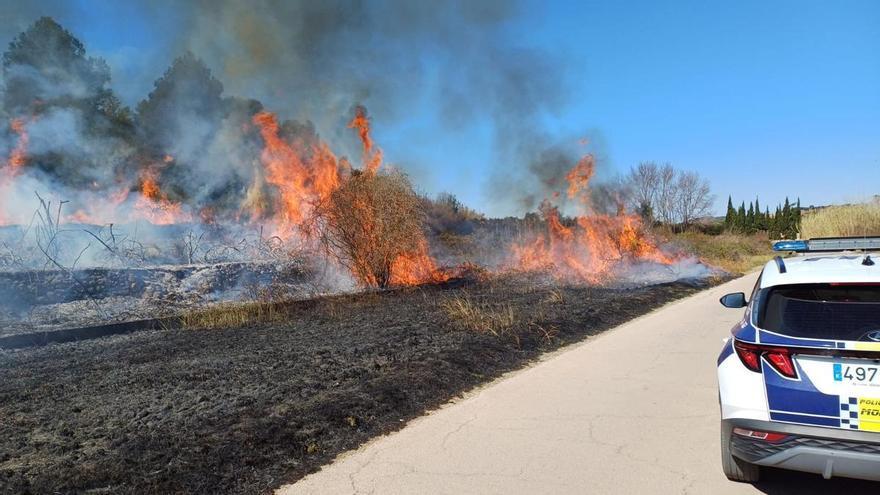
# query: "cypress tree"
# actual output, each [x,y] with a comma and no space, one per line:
[750,219]
[759,220]
[730,218]
[785,224]
[741,218]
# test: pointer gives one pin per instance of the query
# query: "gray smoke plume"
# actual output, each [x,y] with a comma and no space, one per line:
[312,61]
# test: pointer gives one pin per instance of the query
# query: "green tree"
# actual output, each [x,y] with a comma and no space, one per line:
[186,100]
[741,218]
[46,65]
[785,226]
[750,219]
[730,217]
[46,70]
[759,216]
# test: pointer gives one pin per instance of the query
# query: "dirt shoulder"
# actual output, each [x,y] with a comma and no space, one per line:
[245,410]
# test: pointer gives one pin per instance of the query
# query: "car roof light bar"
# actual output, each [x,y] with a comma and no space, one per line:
[829,244]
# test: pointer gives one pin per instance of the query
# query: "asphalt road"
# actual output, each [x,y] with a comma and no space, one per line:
[634,410]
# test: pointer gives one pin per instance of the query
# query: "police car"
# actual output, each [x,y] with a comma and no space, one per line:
[799,380]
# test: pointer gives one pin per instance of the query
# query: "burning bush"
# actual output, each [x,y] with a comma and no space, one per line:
[373,225]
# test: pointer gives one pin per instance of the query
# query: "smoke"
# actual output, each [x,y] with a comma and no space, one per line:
[313,60]
[546,160]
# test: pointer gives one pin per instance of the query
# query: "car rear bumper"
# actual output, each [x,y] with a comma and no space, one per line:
[826,451]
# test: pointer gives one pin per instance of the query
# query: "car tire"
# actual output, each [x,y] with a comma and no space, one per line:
[736,469]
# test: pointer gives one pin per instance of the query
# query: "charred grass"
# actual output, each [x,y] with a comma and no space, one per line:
[246,408]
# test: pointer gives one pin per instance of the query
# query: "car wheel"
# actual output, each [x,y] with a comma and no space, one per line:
[736,469]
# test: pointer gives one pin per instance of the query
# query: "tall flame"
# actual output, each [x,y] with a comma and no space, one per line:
[372,155]
[300,181]
[16,160]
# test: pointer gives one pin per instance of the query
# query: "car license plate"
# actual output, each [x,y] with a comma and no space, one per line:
[857,374]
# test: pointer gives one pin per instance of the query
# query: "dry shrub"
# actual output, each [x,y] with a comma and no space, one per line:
[369,223]
[839,221]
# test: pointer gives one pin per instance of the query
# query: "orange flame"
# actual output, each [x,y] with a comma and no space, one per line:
[588,248]
[299,181]
[154,205]
[17,159]
[579,177]
[417,268]
[372,155]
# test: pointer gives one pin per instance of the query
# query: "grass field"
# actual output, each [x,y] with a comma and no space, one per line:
[846,220]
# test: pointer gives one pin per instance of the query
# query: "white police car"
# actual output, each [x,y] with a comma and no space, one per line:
[799,381]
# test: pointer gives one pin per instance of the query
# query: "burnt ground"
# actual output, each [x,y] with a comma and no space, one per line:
[245,410]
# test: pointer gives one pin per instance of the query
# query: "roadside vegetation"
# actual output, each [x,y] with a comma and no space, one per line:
[845,220]
[733,252]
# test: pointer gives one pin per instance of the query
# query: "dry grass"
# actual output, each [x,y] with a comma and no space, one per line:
[500,319]
[231,315]
[480,316]
[734,253]
[847,220]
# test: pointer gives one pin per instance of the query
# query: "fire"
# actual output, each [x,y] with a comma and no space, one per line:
[579,177]
[17,159]
[590,246]
[372,155]
[417,268]
[300,181]
[154,205]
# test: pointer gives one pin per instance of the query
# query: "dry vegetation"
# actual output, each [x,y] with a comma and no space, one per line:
[232,315]
[369,222]
[846,220]
[501,319]
[735,253]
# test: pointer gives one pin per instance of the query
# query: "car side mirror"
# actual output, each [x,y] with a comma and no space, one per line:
[734,300]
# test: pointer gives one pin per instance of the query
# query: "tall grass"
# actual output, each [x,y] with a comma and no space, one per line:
[232,315]
[847,220]
[734,253]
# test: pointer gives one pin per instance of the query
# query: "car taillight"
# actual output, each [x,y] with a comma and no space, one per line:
[749,355]
[760,435]
[778,357]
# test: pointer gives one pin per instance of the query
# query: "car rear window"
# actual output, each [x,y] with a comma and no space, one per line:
[823,311]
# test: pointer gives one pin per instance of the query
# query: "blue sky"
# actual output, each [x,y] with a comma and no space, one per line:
[766,98]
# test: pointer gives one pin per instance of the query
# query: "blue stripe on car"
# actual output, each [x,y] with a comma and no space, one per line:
[746,332]
[797,396]
[727,351]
